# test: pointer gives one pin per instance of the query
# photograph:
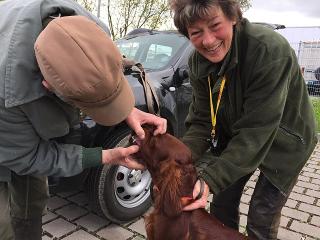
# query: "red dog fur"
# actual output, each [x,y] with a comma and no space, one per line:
[170,164]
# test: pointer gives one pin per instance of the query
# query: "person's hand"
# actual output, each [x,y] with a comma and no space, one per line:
[200,203]
[137,118]
[122,156]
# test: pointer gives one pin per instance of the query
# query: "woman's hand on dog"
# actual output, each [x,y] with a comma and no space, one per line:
[122,156]
[201,202]
[137,118]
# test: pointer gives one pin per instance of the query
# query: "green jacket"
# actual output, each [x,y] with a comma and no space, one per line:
[265,117]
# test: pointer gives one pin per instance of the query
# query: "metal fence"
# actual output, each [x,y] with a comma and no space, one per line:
[308,54]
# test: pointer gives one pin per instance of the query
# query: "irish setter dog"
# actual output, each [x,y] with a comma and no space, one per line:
[174,175]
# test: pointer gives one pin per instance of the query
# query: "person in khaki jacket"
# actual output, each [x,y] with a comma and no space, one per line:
[46,76]
[250,110]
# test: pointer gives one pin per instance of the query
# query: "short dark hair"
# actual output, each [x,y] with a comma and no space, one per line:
[186,12]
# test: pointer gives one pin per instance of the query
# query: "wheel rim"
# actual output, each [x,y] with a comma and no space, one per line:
[132,187]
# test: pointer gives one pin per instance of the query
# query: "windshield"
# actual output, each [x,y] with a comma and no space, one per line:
[154,51]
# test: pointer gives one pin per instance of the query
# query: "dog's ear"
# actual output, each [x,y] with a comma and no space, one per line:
[170,194]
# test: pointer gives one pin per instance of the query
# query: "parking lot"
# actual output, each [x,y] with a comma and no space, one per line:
[69,217]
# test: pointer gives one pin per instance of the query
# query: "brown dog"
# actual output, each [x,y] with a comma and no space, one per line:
[174,175]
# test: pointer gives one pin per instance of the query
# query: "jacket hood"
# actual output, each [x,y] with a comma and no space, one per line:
[20,24]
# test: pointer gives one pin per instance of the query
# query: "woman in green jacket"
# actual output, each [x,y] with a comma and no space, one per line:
[250,111]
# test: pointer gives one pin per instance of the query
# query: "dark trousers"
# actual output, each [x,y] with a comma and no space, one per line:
[264,210]
[25,197]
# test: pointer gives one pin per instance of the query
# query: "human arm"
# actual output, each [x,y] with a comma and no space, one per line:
[27,146]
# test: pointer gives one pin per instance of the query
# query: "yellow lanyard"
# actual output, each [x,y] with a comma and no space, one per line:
[214,113]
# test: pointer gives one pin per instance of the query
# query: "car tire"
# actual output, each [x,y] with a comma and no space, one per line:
[116,192]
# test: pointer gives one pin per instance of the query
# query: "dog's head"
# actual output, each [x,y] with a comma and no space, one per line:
[164,148]
[169,162]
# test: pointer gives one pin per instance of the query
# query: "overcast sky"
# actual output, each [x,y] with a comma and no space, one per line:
[291,13]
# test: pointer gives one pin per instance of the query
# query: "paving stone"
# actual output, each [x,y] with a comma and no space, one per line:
[80,235]
[313,193]
[293,213]
[138,238]
[92,222]
[56,202]
[249,191]
[115,232]
[308,185]
[304,178]
[244,208]
[285,234]
[302,198]
[139,227]
[210,197]
[59,227]
[314,166]
[310,209]
[311,175]
[243,220]
[315,220]
[284,221]
[251,184]
[67,194]
[305,229]
[315,181]
[48,217]
[245,198]
[71,211]
[80,199]
[46,238]
[298,189]
[307,169]
[291,203]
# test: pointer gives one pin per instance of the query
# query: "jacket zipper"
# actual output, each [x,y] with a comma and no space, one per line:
[293,134]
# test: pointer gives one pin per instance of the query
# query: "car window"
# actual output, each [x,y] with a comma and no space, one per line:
[154,51]
[129,49]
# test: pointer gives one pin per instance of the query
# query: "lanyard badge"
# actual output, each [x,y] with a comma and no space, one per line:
[214,113]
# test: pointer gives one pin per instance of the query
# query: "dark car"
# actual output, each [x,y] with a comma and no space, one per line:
[314,84]
[121,194]
[313,87]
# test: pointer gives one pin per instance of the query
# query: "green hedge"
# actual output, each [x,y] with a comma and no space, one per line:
[316,106]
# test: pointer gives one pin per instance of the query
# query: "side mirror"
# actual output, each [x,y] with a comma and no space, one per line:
[179,76]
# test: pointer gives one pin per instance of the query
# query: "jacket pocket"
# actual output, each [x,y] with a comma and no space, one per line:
[292,134]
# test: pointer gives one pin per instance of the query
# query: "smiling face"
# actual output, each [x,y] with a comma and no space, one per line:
[212,36]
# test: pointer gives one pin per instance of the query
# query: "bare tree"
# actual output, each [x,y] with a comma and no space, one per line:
[245,4]
[87,4]
[125,15]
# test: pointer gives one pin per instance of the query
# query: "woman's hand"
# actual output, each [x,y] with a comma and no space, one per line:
[137,118]
[200,203]
[122,156]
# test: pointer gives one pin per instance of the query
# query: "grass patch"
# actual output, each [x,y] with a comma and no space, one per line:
[316,106]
